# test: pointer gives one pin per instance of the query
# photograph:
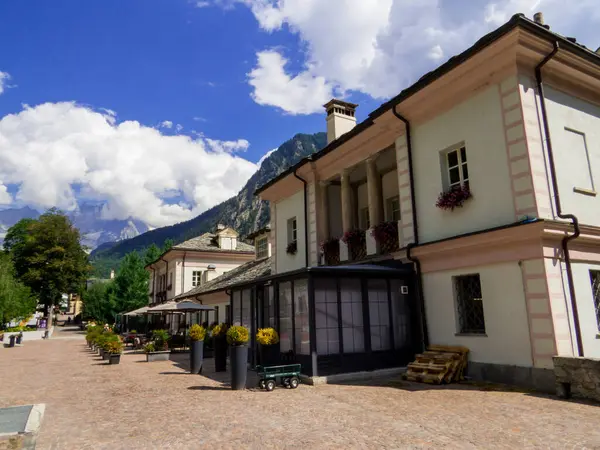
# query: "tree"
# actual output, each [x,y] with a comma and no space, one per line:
[167,245]
[131,283]
[16,300]
[48,256]
[100,302]
[151,254]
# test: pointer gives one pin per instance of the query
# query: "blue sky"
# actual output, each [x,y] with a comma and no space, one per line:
[160,109]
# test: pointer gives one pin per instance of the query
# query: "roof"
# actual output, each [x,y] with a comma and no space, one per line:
[208,243]
[242,274]
[518,20]
[257,233]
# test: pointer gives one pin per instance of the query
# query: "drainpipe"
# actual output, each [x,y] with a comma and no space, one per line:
[559,213]
[305,216]
[409,256]
[183,273]
[166,277]
[153,284]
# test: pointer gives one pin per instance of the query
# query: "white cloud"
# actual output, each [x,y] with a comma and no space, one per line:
[49,149]
[302,94]
[5,198]
[378,47]
[166,124]
[202,4]
[4,77]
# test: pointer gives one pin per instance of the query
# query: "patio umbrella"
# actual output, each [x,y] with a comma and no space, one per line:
[137,312]
[183,307]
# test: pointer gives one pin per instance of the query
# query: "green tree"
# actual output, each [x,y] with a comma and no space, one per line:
[16,300]
[131,283]
[167,245]
[100,302]
[151,254]
[48,256]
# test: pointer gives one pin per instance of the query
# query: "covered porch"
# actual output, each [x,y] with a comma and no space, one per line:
[334,319]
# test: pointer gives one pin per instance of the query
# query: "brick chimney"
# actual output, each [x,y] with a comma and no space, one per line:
[340,118]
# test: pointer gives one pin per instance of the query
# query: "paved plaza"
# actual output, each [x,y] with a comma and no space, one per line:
[139,405]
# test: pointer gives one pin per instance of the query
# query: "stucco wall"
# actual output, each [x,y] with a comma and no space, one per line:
[288,208]
[478,124]
[507,331]
[585,308]
[565,111]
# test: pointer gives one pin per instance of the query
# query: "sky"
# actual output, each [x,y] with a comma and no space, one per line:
[160,109]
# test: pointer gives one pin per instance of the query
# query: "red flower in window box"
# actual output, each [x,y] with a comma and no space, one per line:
[454,198]
[385,231]
[354,237]
[292,248]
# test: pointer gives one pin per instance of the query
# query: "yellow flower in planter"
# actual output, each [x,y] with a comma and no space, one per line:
[267,336]
[197,332]
[237,335]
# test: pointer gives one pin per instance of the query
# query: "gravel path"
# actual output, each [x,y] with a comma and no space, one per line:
[139,405]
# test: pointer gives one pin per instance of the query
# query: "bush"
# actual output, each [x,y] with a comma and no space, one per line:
[267,336]
[161,338]
[197,332]
[149,347]
[20,328]
[237,335]
[114,347]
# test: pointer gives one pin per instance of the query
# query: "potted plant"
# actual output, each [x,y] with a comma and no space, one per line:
[158,349]
[454,198]
[237,338]
[114,349]
[219,333]
[292,248]
[268,339]
[197,334]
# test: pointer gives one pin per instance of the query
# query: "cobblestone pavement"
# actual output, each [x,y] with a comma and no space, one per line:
[139,405]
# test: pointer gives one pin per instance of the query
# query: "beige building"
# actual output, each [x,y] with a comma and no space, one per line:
[196,262]
[481,180]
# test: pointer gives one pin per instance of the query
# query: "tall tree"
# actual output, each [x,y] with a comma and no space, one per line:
[131,283]
[16,300]
[48,256]
[167,245]
[151,254]
[100,302]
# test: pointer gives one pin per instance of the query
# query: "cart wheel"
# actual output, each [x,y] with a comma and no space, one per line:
[261,384]
[294,382]
[285,382]
[270,385]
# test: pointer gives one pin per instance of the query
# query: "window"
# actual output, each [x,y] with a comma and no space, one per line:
[285,316]
[326,317]
[469,304]
[171,279]
[196,278]
[262,247]
[456,164]
[393,209]
[302,334]
[353,333]
[363,220]
[595,280]
[379,315]
[579,160]
[292,226]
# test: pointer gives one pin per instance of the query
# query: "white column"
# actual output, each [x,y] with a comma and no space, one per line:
[346,197]
[374,197]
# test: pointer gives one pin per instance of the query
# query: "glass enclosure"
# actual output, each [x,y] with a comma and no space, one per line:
[332,320]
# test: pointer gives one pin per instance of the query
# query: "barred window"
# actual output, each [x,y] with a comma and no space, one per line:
[469,304]
[595,280]
[262,247]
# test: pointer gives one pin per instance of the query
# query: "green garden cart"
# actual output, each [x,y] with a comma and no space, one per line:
[288,375]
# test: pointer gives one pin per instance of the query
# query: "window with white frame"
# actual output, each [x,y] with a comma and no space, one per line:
[262,247]
[292,226]
[196,278]
[363,221]
[595,280]
[393,209]
[456,166]
[469,304]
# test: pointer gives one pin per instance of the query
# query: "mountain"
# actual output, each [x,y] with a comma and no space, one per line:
[244,212]
[94,230]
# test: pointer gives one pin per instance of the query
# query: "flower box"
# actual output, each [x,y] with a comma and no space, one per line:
[331,251]
[357,244]
[292,248]
[454,198]
[386,235]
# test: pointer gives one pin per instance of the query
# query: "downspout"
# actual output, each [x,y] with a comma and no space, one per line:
[409,256]
[166,277]
[153,285]
[305,216]
[559,213]
[183,273]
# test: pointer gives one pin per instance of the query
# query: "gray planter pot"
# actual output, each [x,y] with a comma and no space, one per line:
[196,356]
[158,356]
[105,355]
[114,358]
[239,366]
